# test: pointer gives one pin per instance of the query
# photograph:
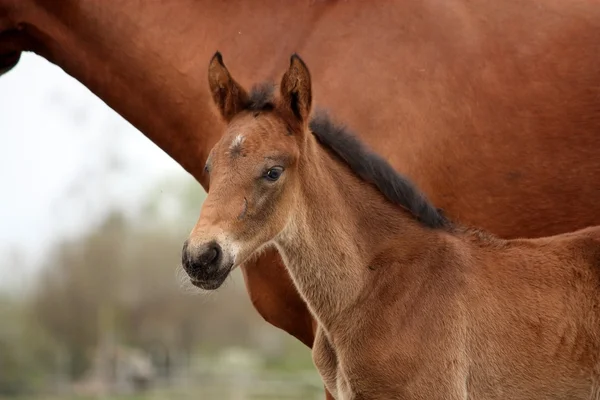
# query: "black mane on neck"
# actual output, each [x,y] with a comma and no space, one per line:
[372,168]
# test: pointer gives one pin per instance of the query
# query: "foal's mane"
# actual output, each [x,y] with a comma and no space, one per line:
[364,162]
[372,168]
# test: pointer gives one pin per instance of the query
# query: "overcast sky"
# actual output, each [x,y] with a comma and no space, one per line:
[57,143]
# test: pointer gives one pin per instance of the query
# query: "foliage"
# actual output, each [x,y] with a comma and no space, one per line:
[118,284]
[26,352]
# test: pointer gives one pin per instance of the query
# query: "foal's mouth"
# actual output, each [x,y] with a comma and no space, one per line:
[213,282]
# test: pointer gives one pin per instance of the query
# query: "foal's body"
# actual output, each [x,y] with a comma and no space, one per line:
[409,312]
[408,305]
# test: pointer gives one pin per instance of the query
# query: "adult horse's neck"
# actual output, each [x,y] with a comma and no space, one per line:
[343,231]
[148,63]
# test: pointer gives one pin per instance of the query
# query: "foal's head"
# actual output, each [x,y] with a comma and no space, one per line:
[253,171]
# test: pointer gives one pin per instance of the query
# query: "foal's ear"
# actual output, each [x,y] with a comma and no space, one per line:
[227,94]
[296,89]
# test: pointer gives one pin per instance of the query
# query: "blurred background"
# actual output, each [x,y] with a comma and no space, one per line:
[92,219]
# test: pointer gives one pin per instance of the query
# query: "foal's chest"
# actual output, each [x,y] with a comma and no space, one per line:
[327,362]
[346,374]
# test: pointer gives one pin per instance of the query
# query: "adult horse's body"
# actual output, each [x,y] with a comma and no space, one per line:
[491,107]
[410,306]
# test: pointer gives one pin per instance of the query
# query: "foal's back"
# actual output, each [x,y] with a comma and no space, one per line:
[533,313]
[487,318]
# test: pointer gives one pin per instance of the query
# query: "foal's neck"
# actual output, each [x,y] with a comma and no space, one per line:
[341,232]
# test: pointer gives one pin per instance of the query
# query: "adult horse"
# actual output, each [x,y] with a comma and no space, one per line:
[492,108]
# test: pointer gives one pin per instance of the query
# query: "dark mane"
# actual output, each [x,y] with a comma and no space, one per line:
[261,97]
[374,169]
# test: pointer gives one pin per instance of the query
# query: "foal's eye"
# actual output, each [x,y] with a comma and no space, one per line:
[273,174]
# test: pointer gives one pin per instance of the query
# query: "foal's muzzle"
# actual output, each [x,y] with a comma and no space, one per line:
[206,265]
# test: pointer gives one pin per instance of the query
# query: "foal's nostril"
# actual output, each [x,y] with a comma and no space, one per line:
[203,262]
[211,253]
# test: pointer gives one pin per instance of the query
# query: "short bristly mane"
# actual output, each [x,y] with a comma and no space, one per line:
[365,163]
[261,97]
[372,168]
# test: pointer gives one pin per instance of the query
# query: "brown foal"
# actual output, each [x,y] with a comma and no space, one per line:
[409,305]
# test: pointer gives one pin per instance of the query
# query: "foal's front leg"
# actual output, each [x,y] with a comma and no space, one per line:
[326,361]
